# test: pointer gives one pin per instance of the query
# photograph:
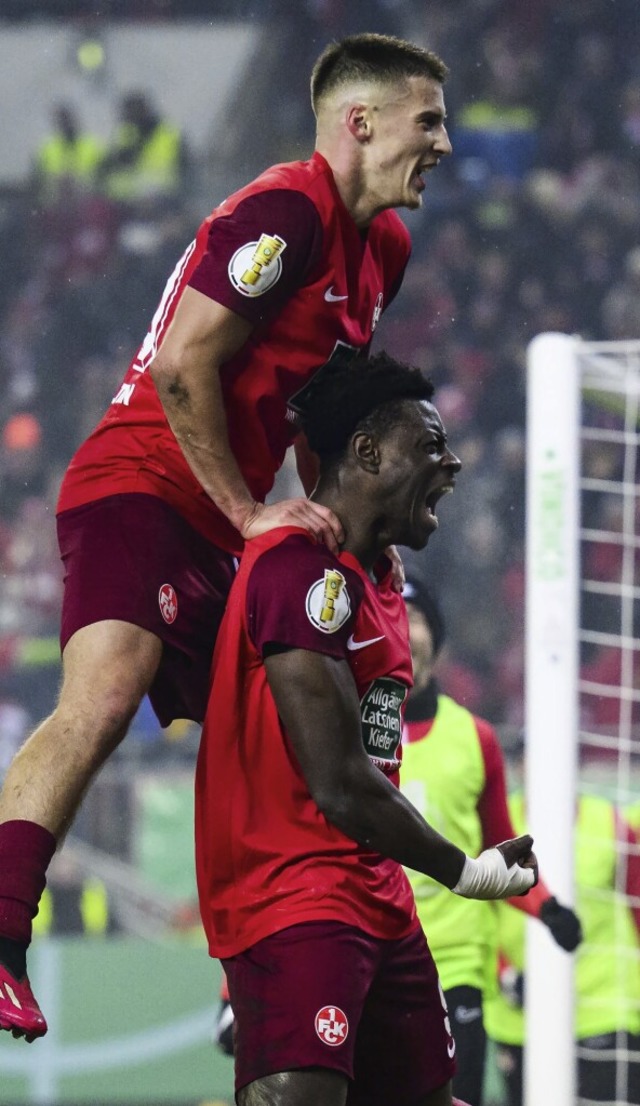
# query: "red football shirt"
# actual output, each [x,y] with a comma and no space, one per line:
[266,857]
[284,253]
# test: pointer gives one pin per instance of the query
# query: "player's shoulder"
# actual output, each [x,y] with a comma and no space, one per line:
[292,565]
[290,180]
[290,549]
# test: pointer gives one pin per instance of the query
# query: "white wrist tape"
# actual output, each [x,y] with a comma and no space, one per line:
[489,878]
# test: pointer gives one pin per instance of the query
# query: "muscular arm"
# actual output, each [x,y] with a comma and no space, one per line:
[317,700]
[186,372]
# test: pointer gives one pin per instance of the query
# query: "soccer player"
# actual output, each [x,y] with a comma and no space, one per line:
[158,502]
[454,774]
[301,831]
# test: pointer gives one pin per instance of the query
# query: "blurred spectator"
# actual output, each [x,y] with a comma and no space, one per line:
[147,159]
[621,306]
[499,128]
[22,464]
[73,904]
[67,161]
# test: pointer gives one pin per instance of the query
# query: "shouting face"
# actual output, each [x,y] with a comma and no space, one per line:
[407,138]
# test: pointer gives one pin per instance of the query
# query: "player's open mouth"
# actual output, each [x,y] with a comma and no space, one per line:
[421,172]
[433,497]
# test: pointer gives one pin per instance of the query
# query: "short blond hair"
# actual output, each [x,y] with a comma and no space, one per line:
[370,57]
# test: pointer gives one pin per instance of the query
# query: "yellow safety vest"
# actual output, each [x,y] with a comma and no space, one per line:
[59,160]
[608,960]
[94,910]
[443,775]
[156,170]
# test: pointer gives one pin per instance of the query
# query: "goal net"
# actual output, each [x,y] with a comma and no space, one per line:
[583,711]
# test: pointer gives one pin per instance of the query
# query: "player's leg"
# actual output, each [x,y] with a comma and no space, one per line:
[107,668]
[316,1087]
[404,1048]
[298,996]
[465,1012]
[597,1071]
[144,594]
[510,1062]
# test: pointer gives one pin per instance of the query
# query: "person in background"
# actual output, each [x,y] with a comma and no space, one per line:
[454,774]
[147,160]
[607,977]
[67,161]
[157,503]
[73,903]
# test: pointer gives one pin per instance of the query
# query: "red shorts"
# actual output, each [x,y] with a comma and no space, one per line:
[327,995]
[134,558]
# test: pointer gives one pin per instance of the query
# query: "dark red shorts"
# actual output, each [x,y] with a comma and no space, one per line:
[134,558]
[327,995]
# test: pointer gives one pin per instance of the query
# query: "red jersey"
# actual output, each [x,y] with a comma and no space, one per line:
[266,857]
[285,254]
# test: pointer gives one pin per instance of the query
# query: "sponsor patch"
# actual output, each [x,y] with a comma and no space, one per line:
[332,1026]
[377,311]
[168,601]
[256,267]
[381,710]
[328,604]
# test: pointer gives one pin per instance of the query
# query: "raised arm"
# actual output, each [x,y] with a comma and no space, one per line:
[186,371]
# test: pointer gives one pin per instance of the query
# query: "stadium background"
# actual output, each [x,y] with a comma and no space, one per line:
[533,225]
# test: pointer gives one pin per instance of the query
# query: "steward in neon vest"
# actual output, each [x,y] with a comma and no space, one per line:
[608,962]
[146,160]
[67,157]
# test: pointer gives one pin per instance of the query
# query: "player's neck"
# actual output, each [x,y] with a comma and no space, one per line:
[366,535]
[350,182]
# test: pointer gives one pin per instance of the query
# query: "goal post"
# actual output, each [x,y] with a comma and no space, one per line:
[582,711]
[551,698]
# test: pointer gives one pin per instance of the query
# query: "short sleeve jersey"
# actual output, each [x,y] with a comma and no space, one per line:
[266,857]
[285,254]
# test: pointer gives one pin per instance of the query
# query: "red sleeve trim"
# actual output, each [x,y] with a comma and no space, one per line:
[626,836]
[492,806]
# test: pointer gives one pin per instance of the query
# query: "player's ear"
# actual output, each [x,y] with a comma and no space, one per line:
[359,122]
[366,451]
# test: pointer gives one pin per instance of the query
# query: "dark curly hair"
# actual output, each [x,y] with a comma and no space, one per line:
[357,393]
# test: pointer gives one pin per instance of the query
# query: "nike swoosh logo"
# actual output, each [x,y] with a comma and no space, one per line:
[466,1014]
[354,645]
[330,298]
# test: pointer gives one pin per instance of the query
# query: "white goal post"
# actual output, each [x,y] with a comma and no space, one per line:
[551,698]
[581,397]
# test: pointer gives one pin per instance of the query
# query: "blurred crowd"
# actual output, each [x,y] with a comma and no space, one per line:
[533,225]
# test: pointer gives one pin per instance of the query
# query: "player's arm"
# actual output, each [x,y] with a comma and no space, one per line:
[318,703]
[203,335]
[495,819]
[493,810]
[628,840]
